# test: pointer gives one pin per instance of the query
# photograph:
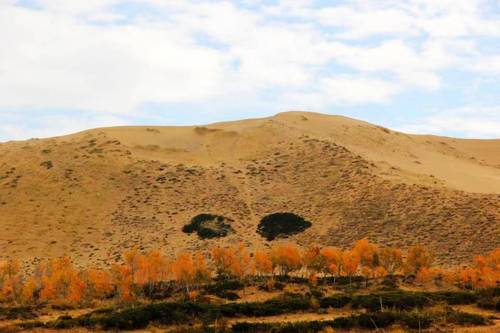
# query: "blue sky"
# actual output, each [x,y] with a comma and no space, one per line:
[421,66]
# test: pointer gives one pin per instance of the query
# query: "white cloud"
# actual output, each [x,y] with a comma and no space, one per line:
[489,65]
[57,61]
[16,126]
[473,122]
[343,90]
[93,56]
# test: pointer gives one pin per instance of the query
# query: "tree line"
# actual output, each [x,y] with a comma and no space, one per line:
[58,281]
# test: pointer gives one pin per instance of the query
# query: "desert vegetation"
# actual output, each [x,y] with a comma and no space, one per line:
[281,225]
[209,226]
[211,287]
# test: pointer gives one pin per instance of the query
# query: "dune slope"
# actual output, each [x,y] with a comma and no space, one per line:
[93,194]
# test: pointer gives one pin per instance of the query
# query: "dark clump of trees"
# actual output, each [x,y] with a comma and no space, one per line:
[281,225]
[209,226]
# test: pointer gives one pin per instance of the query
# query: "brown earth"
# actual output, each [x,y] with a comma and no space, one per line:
[94,194]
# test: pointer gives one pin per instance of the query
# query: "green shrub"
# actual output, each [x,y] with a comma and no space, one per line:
[417,320]
[281,225]
[297,327]
[209,226]
[18,312]
[390,300]
[490,303]
[337,301]
[375,320]
[465,318]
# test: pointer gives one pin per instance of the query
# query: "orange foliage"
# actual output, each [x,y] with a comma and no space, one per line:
[333,260]
[391,259]
[189,270]
[10,280]
[28,290]
[99,283]
[350,263]
[58,280]
[263,264]
[367,253]
[313,260]
[61,281]
[417,258]
[424,275]
[232,261]
[123,278]
[286,257]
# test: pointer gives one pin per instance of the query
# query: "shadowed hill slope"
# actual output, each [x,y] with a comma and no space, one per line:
[93,194]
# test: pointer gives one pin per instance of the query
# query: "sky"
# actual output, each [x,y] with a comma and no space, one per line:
[419,66]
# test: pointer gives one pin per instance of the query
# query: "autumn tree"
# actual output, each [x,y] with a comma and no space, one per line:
[368,254]
[61,281]
[332,260]
[314,260]
[286,258]
[418,257]
[262,262]
[99,283]
[10,280]
[233,261]
[190,270]
[28,290]
[350,263]
[123,279]
[391,259]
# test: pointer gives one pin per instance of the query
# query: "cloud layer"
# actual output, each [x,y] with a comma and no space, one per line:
[104,62]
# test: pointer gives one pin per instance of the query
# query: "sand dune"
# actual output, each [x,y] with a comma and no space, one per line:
[95,193]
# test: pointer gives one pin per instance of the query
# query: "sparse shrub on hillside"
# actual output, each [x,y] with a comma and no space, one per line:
[282,225]
[209,226]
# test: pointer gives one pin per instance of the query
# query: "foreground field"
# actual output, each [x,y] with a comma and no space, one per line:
[284,289]
[293,306]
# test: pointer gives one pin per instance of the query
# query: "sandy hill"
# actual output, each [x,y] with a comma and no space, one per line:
[95,193]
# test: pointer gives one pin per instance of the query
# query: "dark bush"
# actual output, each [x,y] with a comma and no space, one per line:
[221,285]
[390,283]
[341,280]
[489,303]
[224,289]
[416,320]
[391,300]
[47,164]
[452,297]
[465,318]
[402,300]
[280,225]
[375,320]
[337,301]
[30,325]
[297,327]
[209,226]
[19,312]
[344,322]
